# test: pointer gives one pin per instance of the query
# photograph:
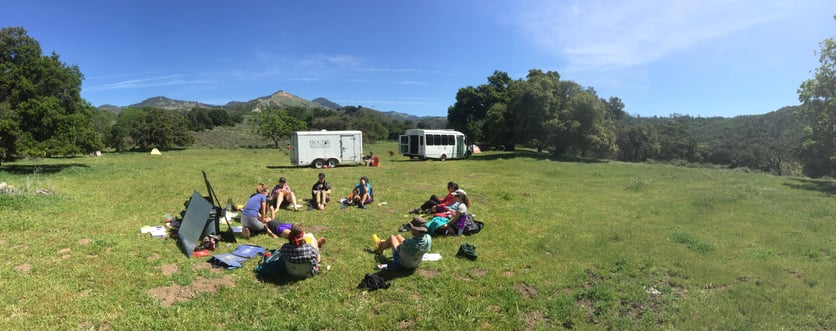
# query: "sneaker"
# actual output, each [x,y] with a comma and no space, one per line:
[320,242]
[382,266]
[376,241]
[245,232]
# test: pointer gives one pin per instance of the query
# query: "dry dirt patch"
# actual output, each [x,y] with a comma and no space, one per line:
[90,326]
[168,269]
[479,273]
[23,268]
[65,252]
[526,291]
[316,229]
[168,295]
[531,319]
[427,273]
[85,241]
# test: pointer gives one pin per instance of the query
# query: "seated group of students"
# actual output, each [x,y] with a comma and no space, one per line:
[303,248]
[449,217]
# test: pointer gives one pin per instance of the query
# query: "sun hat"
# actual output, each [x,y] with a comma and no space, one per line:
[418,224]
[460,192]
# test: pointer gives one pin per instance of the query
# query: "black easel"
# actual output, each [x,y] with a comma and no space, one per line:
[228,235]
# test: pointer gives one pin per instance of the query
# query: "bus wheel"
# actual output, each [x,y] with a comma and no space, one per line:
[443,157]
[332,163]
[317,163]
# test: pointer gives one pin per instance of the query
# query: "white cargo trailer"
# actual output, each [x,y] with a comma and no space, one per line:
[433,144]
[326,148]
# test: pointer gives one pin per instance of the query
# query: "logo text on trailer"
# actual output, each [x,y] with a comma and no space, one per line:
[320,143]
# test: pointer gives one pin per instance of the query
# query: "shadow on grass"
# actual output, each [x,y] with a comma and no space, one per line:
[531,155]
[501,155]
[310,167]
[383,278]
[282,167]
[826,187]
[280,280]
[39,168]
[390,274]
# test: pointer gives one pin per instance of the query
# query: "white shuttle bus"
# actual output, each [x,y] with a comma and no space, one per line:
[433,144]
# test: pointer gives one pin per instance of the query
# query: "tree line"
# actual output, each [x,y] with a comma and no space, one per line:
[42,114]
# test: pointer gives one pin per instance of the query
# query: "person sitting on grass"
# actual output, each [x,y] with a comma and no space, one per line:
[254,213]
[458,220]
[281,195]
[368,160]
[434,204]
[320,193]
[406,253]
[362,193]
[300,258]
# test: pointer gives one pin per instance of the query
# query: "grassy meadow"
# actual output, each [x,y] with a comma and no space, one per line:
[567,244]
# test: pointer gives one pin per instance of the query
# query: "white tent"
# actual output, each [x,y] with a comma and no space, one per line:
[156,152]
[476,149]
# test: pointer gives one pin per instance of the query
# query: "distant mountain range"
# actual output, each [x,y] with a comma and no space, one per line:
[279,99]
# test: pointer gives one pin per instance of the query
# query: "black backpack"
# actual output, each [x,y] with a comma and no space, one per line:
[467,251]
[373,282]
[472,226]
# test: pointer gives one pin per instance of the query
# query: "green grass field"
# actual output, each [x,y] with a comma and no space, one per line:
[567,244]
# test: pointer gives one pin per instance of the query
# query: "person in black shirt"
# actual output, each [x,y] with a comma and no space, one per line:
[320,192]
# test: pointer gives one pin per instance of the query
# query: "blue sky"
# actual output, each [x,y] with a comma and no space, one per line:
[700,58]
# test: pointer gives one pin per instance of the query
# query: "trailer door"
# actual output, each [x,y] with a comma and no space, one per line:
[349,148]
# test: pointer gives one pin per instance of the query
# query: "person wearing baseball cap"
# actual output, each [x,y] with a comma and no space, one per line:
[406,253]
[459,218]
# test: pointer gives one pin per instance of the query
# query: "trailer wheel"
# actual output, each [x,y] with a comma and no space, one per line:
[443,157]
[332,163]
[318,163]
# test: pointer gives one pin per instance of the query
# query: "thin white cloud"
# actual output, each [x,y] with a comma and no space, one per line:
[339,60]
[601,35]
[390,70]
[412,82]
[385,102]
[169,80]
